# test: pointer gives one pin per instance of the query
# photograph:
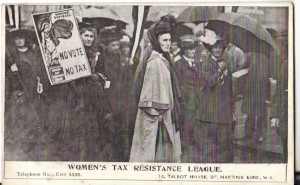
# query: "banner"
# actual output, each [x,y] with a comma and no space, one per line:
[63,52]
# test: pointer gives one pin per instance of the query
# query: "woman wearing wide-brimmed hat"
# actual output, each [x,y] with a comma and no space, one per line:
[23,63]
[24,85]
[156,134]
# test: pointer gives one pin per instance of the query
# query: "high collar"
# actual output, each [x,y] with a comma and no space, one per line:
[220,59]
[155,54]
[176,52]
[23,50]
[191,61]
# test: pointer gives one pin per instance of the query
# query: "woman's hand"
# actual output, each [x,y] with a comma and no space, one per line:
[223,66]
[160,118]
[93,77]
[14,67]
[274,122]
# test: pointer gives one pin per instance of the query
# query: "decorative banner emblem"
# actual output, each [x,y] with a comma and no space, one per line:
[63,52]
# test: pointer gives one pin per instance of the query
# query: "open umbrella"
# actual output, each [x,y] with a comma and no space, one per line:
[102,17]
[181,30]
[198,14]
[155,16]
[244,32]
[276,16]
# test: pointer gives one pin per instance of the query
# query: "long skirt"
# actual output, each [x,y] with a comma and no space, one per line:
[154,140]
[212,142]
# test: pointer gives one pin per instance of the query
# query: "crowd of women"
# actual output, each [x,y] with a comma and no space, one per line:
[166,106]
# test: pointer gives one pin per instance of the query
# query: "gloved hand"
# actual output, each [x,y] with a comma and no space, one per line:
[108,116]
[274,122]
[93,77]
[14,67]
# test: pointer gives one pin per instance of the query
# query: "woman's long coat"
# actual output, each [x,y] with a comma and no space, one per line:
[216,99]
[149,141]
[189,81]
[257,86]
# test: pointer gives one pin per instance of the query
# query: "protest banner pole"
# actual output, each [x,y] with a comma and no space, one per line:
[139,25]
[26,93]
[28,97]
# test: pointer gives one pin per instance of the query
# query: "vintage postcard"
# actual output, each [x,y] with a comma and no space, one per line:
[136,93]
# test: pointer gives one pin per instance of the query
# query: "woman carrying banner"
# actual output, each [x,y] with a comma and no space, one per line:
[89,109]
[156,135]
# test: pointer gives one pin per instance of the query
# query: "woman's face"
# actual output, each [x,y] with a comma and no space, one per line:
[125,50]
[165,42]
[113,46]
[20,42]
[190,53]
[174,46]
[88,38]
[217,50]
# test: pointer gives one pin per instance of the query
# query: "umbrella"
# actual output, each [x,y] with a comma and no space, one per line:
[102,17]
[199,14]
[244,32]
[258,14]
[155,16]
[276,16]
[180,31]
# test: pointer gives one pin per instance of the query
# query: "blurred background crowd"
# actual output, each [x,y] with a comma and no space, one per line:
[85,120]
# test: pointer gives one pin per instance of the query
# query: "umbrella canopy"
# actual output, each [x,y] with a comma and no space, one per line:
[102,17]
[244,32]
[180,31]
[155,16]
[198,29]
[276,18]
[198,14]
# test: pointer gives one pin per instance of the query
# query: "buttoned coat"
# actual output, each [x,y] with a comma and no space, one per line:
[189,80]
[216,99]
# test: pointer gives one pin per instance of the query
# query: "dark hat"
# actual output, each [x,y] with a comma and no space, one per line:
[109,33]
[19,33]
[85,25]
[187,42]
[167,24]
[28,34]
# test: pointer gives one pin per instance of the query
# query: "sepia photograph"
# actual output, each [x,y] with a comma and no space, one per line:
[154,92]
